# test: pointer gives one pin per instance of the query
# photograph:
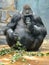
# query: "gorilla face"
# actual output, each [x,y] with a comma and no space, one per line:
[27,14]
[28,21]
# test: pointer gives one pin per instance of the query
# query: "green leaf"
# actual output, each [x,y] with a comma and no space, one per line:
[40,54]
[47,54]
[16,57]
[1,63]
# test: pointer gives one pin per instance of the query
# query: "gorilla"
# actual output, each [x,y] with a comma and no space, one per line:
[27,28]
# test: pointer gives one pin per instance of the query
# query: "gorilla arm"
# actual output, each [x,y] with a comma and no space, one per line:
[38,28]
[38,31]
[11,25]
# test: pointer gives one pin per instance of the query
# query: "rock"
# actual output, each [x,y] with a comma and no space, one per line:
[1,32]
[3,24]
[4,16]
[2,27]
[11,13]
[0,15]
[2,40]
[9,19]
[5,3]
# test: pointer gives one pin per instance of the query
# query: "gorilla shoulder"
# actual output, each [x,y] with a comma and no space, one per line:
[38,20]
[16,17]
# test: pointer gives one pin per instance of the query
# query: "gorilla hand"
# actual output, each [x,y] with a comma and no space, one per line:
[11,34]
[15,35]
[30,26]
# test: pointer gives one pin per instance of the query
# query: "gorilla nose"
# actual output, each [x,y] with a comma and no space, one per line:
[27,11]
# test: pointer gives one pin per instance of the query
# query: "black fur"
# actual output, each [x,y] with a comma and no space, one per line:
[31,34]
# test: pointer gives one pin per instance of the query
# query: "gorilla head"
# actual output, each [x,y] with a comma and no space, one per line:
[27,14]
[27,10]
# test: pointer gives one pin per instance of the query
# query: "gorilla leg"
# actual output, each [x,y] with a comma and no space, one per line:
[11,42]
[27,42]
[37,42]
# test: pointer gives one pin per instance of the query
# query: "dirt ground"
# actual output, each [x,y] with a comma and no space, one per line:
[31,60]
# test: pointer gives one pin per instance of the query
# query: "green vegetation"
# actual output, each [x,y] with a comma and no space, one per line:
[19,53]
[15,57]
[47,54]
[5,51]
[40,54]
[1,63]
[19,46]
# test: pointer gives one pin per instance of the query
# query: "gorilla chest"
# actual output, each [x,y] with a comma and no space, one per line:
[21,29]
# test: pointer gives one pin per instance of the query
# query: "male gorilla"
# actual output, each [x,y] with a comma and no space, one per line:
[28,29]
